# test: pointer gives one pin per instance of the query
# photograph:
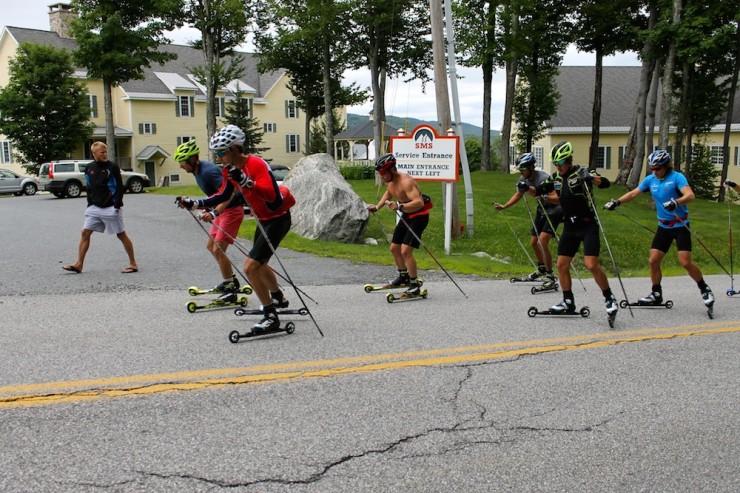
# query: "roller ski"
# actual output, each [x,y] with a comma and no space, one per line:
[563,309]
[414,292]
[402,281]
[708,298]
[270,324]
[612,307]
[653,300]
[550,284]
[731,292]
[223,301]
[223,288]
[536,276]
[239,312]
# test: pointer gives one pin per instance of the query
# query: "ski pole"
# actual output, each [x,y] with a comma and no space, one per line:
[634,221]
[534,227]
[557,238]
[516,236]
[382,228]
[416,237]
[608,248]
[246,254]
[685,223]
[277,257]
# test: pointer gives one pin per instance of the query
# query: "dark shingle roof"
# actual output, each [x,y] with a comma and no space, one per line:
[618,97]
[187,58]
[365,132]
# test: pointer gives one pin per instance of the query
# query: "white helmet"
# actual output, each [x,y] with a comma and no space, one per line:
[230,135]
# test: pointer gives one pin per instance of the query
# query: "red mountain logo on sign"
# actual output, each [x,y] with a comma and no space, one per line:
[425,155]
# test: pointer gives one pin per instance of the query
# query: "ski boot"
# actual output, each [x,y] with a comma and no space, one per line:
[550,284]
[612,307]
[413,292]
[278,299]
[564,308]
[708,298]
[654,299]
[270,324]
[533,277]
[224,301]
[224,287]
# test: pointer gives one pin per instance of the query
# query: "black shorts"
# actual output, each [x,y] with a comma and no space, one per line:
[276,229]
[402,235]
[665,236]
[574,234]
[541,223]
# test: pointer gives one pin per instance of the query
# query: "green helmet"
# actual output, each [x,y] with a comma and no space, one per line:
[186,150]
[561,152]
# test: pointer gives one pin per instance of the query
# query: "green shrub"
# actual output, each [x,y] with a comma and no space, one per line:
[357,171]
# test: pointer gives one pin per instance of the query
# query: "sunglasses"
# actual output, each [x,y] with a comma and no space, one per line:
[221,153]
[560,163]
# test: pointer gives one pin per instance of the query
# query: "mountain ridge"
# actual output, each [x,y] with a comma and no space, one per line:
[469,130]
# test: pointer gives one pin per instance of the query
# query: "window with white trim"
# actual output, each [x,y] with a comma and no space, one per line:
[175,178]
[292,143]
[512,156]
[6,152]
[184,138]
[219,109]
[291,108]
[604,157]
[716,156]
[539,154]
[147,128]
[93,99]
[737,156]
[184,106]
[270,128]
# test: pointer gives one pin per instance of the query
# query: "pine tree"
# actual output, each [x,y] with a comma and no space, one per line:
[239,113]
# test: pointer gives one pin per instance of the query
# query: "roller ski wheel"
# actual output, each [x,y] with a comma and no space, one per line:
[667,304]
[235,336]
[240,312]
[193,307]
[196,291]
[545,288]
[731,292]
[583,312]
[369,288]
[392,298]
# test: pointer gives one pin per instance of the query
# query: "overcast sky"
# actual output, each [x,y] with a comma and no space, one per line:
[403,100]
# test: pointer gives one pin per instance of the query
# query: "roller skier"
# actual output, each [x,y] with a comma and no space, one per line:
[413,207]
[542,229]
[671,192]
[572,184]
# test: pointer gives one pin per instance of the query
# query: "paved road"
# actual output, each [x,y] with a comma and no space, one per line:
[107,383]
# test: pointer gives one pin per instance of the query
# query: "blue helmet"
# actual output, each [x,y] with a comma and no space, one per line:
[659,157]
[525,161]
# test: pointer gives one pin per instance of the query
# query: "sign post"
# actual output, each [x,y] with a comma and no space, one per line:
[428,156]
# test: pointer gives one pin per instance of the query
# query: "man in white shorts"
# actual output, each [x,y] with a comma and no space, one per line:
[104,211]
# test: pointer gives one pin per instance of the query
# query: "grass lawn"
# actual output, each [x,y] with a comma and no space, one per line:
[629,242]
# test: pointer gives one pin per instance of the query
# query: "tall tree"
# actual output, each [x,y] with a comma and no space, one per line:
[510,41]
[223,25]
[44,111]
[117,39]
[392,40]
[239,112]
[476,40]
[668,68]
[604,28]
[288,31]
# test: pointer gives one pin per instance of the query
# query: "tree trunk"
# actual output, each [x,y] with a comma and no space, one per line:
[211,58]
[485,164]
[110,133]
[667,104]
[328,105]
[593,151]
[377,83]
[652,104]
[682,111]
[511,69]
[728,118]
[635,173]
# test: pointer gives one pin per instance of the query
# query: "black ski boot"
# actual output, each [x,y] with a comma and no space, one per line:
[228,286]
[278,299]
[403,279]
[414,288]
[654,298]
[269,322]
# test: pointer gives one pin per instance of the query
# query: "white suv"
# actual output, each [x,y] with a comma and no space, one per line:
[66,178]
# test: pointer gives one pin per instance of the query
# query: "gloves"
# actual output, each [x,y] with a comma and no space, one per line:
[585,175]
[671,205]
[522,187]
[209,215]
[187,203]
[730,184]
[372,208]
[612,204]
[238,176]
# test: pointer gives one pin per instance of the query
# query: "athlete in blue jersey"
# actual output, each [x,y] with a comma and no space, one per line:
[671,192]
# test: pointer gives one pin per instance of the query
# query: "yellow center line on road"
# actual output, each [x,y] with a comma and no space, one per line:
[85,390]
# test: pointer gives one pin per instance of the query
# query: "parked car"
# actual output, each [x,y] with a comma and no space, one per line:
[16,184]
[66,178]
[279,172]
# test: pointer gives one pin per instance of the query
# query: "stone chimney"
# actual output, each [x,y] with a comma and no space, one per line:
[60,16]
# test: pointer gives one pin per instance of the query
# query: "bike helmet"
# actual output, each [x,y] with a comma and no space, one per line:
[385,162]
[230,135]
[561,152]
[185,151]
[658,158]
[525,161]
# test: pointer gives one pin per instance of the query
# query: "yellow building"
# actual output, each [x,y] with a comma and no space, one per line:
[154,115]
[572,122]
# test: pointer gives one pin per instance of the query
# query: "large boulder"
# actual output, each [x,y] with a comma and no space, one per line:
[326,206]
